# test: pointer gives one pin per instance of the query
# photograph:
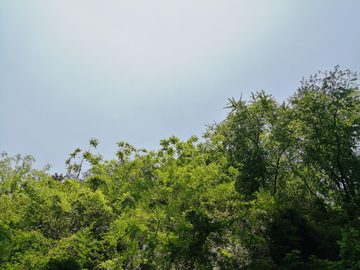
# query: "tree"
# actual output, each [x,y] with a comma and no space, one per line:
[256,138]
[273,186]
[327,111]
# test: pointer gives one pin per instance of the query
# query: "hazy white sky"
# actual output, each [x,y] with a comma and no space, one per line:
[141,71]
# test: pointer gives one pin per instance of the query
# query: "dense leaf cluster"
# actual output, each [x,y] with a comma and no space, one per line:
[273,186]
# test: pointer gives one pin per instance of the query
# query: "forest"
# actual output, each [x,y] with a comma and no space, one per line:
[272,186]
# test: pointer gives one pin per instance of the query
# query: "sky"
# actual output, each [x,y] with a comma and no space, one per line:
[140,71]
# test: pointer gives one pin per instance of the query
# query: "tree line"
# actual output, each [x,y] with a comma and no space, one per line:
[272,186]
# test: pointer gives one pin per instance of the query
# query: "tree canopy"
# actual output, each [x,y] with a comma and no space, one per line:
[272,186]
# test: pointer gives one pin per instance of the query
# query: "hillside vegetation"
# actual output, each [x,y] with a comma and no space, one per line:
[272,186]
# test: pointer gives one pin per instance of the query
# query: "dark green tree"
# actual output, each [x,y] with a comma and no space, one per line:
[327,113]
[257,135]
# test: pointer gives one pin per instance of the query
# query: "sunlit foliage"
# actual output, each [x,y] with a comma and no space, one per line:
[272,186]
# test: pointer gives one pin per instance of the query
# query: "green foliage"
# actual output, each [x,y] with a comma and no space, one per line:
[5,242]
[328,117]
[273,186]
[256,138]
[349,249]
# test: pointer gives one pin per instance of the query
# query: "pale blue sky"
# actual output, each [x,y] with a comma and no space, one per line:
[140,71]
